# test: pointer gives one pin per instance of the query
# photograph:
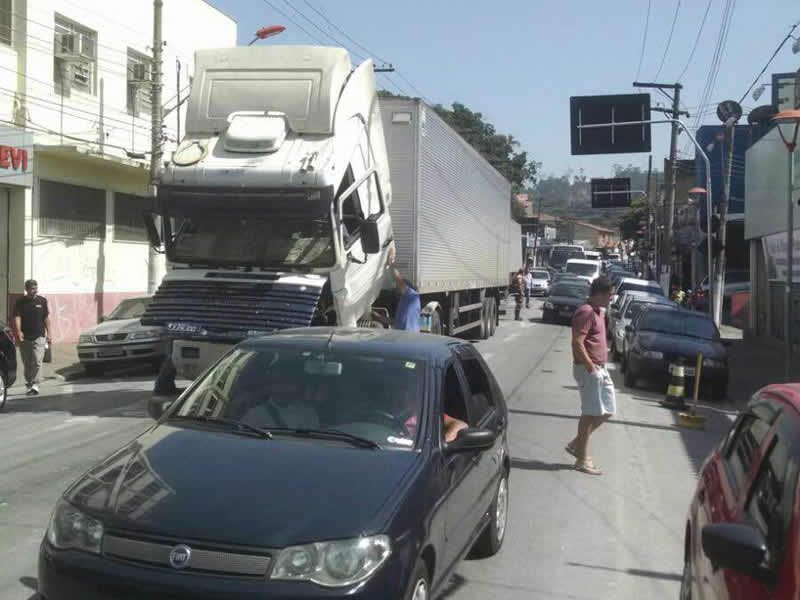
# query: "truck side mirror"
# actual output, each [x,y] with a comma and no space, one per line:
[152,231]
[370,235]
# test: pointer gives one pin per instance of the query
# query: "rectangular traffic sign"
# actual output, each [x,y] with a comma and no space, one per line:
[613,124]
[611,193]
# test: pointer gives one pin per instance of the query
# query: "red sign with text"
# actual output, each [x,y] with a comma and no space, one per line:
[13,158]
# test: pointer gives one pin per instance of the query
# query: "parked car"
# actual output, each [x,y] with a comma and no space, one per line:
[661,335]
[743,523]
[8,362]
[120,338]
[631,283]
[630,307]
[585,269]
[565,297]
[541,282]
[310,463]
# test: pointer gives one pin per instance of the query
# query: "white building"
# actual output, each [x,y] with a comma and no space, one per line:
[74,122]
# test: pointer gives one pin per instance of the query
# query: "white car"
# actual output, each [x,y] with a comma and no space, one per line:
[120,338]
[588,270]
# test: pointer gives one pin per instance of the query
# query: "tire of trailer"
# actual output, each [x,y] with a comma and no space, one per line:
[492,315]
[483,330]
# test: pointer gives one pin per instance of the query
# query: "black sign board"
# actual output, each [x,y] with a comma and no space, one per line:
[608,110]
[611,193]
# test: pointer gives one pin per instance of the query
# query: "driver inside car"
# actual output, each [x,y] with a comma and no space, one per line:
[283,404]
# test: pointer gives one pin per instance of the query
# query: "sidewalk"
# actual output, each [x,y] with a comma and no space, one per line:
[64,367]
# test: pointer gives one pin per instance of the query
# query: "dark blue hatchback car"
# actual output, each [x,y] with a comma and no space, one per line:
[306,464]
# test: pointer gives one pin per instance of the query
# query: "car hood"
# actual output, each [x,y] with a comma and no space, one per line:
[116,326]
[567,300]
[682,346]
[203,484]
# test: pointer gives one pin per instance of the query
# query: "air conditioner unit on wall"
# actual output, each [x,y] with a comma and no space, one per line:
[140,72]
[87,46]
[65,45]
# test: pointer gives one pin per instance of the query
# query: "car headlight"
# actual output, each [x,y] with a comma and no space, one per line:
[85,338]
[549,305]
[70,528]
[333,564]
[652,354]
[144,335]
[715,364]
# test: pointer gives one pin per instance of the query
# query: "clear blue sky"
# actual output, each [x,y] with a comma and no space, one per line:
[519,61]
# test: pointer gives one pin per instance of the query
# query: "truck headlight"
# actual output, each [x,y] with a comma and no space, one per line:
[333,564]
[85,338]
[70,528]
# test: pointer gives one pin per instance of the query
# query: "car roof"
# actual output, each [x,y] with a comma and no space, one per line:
[386,342]
[584,261]
[638,281]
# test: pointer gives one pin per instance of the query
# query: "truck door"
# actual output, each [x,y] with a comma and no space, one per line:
[357,286]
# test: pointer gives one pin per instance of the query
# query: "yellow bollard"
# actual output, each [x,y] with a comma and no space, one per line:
[692,419]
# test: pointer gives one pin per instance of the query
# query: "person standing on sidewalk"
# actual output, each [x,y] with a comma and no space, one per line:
[589,354]
[528,285]
[32,320]
[517,290]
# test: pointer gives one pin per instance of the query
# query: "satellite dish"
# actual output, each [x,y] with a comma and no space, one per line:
[762,114]
[729,109]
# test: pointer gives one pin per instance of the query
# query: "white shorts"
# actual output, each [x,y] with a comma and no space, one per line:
[596,390]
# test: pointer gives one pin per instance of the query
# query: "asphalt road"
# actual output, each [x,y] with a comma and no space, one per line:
[570,535]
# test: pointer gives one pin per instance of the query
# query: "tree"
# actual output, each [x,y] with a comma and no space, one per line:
[634,220]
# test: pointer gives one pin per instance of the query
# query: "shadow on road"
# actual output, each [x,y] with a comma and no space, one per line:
[529,464]
[455,583]
[637,572]
[124,403]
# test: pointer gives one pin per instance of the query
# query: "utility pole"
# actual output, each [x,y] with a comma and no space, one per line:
[719,272]
[649,201]
[154,259]
[674,113]
[536,231]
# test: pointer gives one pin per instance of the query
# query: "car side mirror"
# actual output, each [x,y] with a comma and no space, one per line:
[156,407]
[741,548]
[370,235]
[152,231]
[470,440]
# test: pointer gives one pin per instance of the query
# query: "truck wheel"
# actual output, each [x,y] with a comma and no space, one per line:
[483,333]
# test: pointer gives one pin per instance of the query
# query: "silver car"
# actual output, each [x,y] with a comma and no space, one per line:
[120,338]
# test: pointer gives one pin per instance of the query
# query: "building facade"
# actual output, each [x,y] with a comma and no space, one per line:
[75,115]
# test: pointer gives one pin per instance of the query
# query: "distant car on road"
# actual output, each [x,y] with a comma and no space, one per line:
[541,282]
[8,362]
[310,463]
[585,269]
[661,335]
[742,539]
[735,281]
[565,297]
[120,338]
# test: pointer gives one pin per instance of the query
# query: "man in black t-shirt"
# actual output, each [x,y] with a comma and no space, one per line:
[32,318]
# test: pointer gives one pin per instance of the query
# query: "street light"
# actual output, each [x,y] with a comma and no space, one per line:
[266,32]
[788,122]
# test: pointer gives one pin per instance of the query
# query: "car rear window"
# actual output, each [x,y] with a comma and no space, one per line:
[581,268]
[573,290]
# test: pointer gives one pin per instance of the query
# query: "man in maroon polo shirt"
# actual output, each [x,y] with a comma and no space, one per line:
[589,354]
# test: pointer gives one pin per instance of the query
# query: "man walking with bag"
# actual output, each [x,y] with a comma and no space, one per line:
[32,319]
[589,354]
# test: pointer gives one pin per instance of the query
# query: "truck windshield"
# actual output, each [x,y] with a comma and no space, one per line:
[266,229]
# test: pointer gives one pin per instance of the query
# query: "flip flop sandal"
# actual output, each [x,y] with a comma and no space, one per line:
[587,468]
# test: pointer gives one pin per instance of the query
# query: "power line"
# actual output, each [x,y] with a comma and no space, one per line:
[318,28]
[644,40]
[696,40]
[669,40]
[771,58]
[303,29]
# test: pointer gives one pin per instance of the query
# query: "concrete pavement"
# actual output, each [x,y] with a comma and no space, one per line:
[570,535]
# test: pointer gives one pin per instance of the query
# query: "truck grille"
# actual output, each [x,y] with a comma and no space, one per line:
[230,310]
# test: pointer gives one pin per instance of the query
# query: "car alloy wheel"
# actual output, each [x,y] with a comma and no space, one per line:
[420,590]
[3,391]
[501,512]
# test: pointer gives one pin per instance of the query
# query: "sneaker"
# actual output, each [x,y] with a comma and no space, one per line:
[34,390]
[30,391]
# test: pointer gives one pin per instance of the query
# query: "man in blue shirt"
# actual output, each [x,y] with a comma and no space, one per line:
[408,306]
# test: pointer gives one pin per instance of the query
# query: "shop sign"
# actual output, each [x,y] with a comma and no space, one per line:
[16,156]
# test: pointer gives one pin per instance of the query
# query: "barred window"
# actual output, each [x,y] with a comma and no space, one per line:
[139,73]
[75,62]
[128,221]
[71,211]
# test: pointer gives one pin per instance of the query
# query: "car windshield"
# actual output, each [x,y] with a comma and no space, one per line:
[369,396]
[581,268]
[267,229]
[676,322]
[540,275]
[129,309]
[572,289]
[634,308]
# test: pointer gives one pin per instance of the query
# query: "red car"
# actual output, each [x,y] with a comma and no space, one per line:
[743,528]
